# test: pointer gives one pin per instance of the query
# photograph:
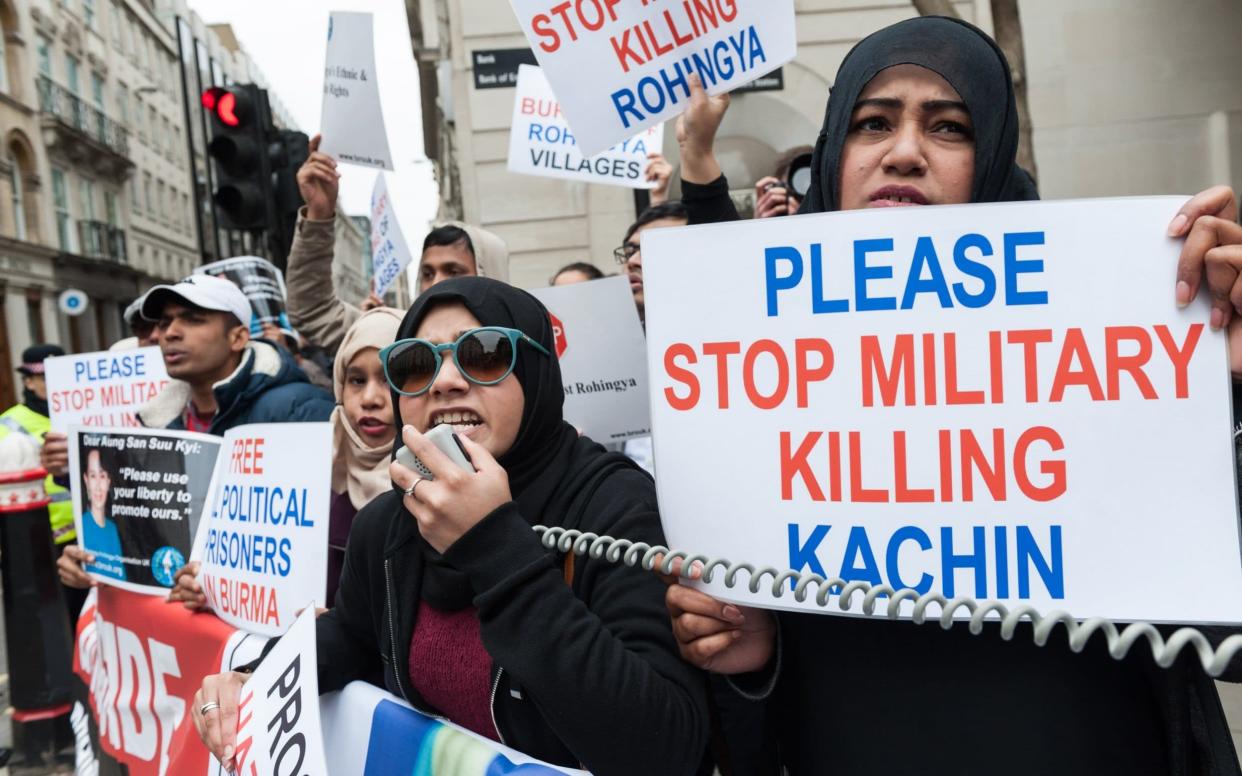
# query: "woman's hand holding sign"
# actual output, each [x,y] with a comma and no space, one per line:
[715,636]
[456,500]
[1209,222]
[215,714]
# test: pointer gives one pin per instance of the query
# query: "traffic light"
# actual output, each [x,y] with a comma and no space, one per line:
[241,131]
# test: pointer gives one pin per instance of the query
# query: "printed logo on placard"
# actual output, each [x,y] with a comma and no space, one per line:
[558,334]
[165,563]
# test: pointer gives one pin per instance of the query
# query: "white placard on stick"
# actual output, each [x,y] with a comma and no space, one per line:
[599,341]
[352,120]
[541,142]
[998,401]
[390,254]
[263,541]
[103,389]
[618,68]
[278,727]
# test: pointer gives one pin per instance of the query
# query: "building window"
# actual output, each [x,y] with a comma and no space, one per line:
[160,199]
[60,197]
[97,90]
[34,316]
[133,195]
[4,65]
[71,74]
[122,103]
[19,201]
[114,16]
[146,188]
[110,208]
[155,128]
[140,118]
[45,56]
[88,13]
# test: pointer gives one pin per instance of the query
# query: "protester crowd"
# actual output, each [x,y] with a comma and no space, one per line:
[438,590]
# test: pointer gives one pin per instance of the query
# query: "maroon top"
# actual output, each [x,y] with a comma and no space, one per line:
[450,668]
[341,514]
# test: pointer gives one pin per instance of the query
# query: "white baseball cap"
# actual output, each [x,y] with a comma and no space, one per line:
[204,291]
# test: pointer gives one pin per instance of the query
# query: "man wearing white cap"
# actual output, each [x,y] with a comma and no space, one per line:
[222,378]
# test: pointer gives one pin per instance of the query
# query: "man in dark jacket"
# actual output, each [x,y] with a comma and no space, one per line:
[221,377]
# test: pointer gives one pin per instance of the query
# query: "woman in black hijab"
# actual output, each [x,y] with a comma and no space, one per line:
[923,112]
[447,597]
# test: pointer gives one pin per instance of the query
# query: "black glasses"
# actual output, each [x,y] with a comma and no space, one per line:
[625,252]
[484,356]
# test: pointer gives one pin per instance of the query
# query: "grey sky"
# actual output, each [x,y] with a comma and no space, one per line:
[287,39]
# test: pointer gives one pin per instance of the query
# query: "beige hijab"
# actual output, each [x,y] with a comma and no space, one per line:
[359,469]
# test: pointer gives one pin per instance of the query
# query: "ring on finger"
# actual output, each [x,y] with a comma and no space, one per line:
[206,707]
[410,490]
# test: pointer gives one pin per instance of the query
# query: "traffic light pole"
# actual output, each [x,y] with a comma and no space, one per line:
[189,139]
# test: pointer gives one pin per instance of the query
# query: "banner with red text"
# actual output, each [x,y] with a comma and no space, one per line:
[998,401]
[103,389]
[264,541]
[620,66]
[141,660]
[542,144]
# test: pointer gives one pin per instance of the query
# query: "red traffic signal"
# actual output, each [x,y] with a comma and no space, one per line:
[231,108]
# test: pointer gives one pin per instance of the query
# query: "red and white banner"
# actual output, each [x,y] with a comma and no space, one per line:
[141,660]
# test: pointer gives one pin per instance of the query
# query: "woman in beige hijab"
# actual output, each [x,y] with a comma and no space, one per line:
[362,436]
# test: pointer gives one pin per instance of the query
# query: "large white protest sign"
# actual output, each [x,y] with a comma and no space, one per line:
[599,341]
[138,495]
[264,541]
[352,120]
[278,728]
[103,389]
[997,401]
[541,142]
[390,254]
[620,67]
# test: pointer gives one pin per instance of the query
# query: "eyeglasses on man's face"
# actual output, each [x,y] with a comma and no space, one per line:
[625,252]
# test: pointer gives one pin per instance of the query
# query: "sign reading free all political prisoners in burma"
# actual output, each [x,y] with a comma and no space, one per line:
[620,66]
[997,401]
[264,542]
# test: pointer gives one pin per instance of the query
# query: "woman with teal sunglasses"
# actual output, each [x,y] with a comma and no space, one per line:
[447,595]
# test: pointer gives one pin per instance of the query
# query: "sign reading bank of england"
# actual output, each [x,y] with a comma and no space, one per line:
[998,401]
[620,66]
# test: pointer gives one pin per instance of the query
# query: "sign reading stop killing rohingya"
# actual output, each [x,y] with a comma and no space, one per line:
[264,542]
[620,66]
[599,342]
[997,401]
[103,389]
[541,142]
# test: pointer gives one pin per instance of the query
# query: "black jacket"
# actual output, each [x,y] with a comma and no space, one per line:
[584,677]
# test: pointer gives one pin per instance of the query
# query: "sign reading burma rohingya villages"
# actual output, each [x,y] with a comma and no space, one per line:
[278,728]
[140,660]
[999,401]
[352,119]
[138,495]
[390,254]
[541,143]
[264,542]
[620,66]
[600,345]
[103,389]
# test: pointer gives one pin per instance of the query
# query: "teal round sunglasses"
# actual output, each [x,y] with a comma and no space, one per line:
[484,356]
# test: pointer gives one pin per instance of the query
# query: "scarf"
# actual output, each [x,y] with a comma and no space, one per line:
[359,469]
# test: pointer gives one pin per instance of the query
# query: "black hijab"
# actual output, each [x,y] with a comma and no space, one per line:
[548,464]
[971,62]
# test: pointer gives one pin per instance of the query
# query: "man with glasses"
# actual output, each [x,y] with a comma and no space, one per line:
[629,254]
